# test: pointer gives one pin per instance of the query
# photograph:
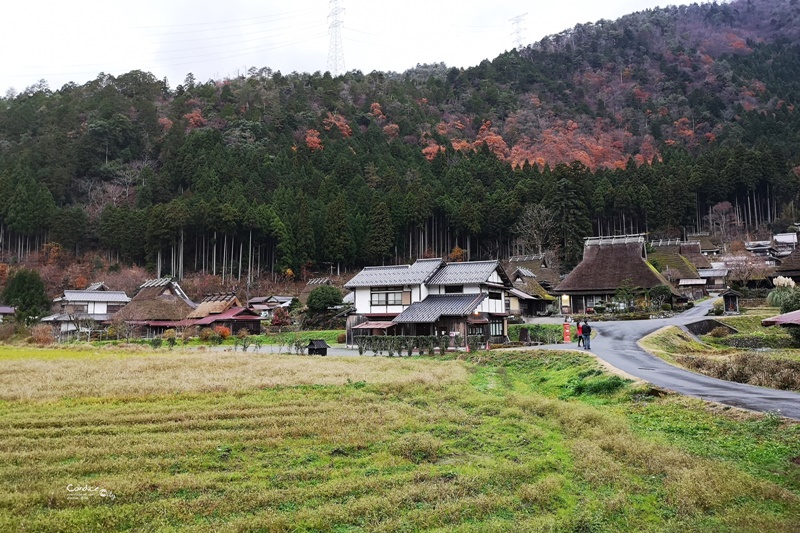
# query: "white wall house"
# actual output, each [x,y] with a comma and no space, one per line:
[430,297]
[81,310]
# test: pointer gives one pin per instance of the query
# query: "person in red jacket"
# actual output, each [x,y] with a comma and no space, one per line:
[579,333]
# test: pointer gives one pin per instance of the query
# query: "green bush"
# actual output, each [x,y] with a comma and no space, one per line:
[666,307]
[323,297]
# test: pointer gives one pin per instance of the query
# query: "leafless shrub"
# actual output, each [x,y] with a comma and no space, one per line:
[754,369]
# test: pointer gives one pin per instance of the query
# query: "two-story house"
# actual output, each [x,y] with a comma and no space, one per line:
[430,297]
[83,310]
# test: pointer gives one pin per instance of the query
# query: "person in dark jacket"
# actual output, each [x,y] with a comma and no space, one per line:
[586,331]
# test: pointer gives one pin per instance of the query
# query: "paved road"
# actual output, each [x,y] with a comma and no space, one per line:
[616,343]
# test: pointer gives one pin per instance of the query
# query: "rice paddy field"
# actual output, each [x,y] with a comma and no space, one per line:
[113,440]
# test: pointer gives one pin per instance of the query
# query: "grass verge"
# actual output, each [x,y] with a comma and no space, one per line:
[778,369]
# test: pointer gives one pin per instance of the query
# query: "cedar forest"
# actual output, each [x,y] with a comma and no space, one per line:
[649,123]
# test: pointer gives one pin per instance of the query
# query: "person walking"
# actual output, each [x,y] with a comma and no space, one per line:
[586,331]
[579,333]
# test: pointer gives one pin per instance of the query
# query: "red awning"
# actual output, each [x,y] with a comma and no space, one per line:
[787,319]
[375,325]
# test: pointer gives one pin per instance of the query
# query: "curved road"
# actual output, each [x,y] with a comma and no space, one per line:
[616,343]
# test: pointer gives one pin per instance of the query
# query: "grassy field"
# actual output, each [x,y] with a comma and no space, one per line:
[511,441]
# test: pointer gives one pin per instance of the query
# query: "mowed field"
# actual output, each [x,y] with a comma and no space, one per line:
[506,441]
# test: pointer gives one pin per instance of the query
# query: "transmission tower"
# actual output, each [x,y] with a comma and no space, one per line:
[335,50]
[518,31]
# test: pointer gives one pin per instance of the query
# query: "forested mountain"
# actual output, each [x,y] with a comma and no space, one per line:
[639,124]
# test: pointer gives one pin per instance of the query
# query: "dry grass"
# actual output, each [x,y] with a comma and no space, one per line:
[423,445]
[199,372]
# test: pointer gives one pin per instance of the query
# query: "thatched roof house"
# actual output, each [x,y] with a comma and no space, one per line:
[533,267]
[157,300]
[608,263]
[214,304]
[789,267]
[224,309]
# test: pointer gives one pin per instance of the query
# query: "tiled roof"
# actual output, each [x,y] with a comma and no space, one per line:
[468,272]
[6,310]
[383,276]
[94,296]
[437,305]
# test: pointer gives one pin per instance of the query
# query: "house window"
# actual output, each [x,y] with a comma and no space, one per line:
[496,328]
[453,289]
[475,330]
[495,295]
[387,296]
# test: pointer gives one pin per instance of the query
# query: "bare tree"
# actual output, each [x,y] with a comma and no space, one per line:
[534,227]
[722,219]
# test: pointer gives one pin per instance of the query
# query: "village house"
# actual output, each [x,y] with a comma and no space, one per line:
[266,305]
[157,306]
[223,309]
[430,297]
[6,312]
[81,311]
[608,264]
[679,261]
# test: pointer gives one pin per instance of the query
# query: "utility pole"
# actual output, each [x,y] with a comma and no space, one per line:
[335,50]
[518,31]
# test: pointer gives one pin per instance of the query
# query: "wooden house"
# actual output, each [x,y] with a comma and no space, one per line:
[6,312]
[430,297]
[83,310]
[157,305]
[608,264]
[678,262]
[789,267]
[224,309]
[536,267]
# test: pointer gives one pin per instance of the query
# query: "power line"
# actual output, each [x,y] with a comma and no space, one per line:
[335,49]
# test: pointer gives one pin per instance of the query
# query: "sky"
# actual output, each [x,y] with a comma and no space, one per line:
[64,41]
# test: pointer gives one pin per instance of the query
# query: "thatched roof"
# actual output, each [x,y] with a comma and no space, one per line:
[673,265]
[158,299]
[608,264]
[790,265]
[532,287]
[537,265]
[691,251]
[214,304]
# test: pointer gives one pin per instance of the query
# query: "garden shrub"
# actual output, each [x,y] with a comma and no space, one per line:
[42,334]
[341,338]
[222,331]
[206,334]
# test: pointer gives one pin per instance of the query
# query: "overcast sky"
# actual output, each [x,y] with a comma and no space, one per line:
[74,40]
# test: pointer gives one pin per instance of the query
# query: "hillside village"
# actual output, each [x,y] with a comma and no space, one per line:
[557,290]
[617,273]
